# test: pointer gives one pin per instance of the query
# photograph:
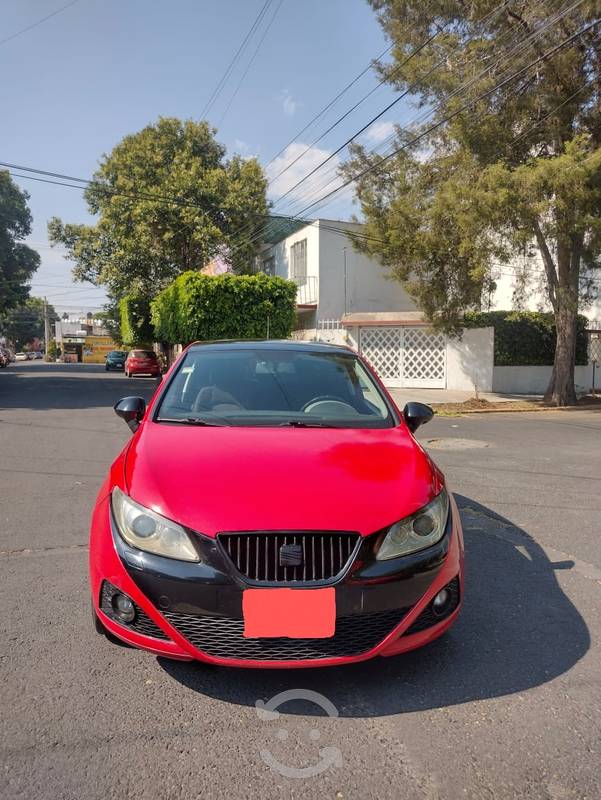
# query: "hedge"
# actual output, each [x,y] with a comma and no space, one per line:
[204,307]
[525,338]
[136,328]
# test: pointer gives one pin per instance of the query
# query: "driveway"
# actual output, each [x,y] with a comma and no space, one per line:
[507,705]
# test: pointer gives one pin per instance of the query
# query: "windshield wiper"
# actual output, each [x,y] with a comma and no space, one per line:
[200,421]
[297,423]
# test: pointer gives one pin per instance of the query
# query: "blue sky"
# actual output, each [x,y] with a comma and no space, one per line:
[76,84]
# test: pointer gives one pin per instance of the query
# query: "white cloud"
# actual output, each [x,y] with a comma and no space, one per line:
[379,131]
[288,103]
[323,181]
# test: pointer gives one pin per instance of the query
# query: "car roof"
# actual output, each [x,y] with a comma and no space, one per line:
[272,344]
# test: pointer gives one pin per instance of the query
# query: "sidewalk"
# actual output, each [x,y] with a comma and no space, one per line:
[402,396]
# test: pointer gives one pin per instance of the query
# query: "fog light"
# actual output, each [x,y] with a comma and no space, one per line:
[123,607]
[441,602]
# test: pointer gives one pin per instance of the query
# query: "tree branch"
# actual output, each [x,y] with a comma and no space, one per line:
[550,267]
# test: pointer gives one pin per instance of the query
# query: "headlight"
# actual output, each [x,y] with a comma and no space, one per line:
[147,530]
[420,530]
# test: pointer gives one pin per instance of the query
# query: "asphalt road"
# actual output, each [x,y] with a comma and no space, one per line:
[506,705]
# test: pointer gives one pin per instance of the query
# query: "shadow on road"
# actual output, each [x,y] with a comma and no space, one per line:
[39,386]
[517,630]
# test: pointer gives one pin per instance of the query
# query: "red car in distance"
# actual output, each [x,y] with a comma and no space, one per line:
[273,509]
[142,362]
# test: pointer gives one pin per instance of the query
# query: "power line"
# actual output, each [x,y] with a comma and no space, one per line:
[250,63]
[452,116]
[339,120]
[39,22]
[504,57]
[326,108]
[519,46]
[427,41]
[224,78]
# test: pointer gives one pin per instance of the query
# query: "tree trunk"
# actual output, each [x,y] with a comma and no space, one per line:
[561,391]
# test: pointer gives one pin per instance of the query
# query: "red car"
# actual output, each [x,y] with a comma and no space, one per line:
[273,509]
[142,362]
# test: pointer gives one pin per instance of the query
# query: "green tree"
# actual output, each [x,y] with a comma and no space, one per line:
[17,261]
[24,323]
[508,161]
[167,200]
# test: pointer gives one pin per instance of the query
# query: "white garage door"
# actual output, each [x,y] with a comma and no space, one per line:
[406,357]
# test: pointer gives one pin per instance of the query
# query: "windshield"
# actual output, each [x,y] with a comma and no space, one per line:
[274,387]
[116,354]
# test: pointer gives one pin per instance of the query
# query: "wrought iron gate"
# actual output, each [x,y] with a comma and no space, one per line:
[406,357]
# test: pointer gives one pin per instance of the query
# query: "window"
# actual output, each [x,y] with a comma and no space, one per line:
[269,265]
[298,257]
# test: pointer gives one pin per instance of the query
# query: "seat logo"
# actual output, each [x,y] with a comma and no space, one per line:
[291,555]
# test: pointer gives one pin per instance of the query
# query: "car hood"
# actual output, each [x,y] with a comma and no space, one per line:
[244,479]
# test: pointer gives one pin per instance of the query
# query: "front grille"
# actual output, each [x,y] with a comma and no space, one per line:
[428,618]
[222,637]
[257,555]
[141,623]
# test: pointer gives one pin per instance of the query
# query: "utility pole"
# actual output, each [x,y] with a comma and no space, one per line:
[344,253]
[46,327]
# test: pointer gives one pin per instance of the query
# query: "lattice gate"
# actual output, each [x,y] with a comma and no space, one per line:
[406,357]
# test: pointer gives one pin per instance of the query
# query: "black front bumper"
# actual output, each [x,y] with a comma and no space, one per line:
[203,601]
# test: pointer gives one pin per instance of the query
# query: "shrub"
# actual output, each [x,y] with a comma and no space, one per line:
[525,338]
[136,328]
[205,307]
[51,350]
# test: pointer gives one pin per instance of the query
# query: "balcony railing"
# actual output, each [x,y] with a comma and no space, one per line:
[307,290]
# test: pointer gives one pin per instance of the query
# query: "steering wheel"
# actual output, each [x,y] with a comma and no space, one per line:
[325,398]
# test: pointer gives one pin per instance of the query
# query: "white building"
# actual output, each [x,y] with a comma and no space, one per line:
[521,283]
[346,297]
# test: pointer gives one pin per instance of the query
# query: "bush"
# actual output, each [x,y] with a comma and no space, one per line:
[525,338]
[203,307]
[136,328]
[51,350]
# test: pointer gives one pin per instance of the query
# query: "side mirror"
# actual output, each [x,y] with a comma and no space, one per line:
[131,409]
[417,414]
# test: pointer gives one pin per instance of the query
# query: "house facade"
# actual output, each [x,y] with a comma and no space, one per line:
[345,297]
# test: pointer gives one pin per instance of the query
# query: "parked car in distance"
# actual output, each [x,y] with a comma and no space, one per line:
[115,360]
[273,509]
[30,355]
[142,362]
[21,356]
[37,354]
[4,358]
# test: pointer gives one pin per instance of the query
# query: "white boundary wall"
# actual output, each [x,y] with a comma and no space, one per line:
[534,380]
[469,359]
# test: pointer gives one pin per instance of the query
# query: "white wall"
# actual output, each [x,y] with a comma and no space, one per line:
[534,380]
[536,297]
[281,252]
[367,288]
[470,360]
